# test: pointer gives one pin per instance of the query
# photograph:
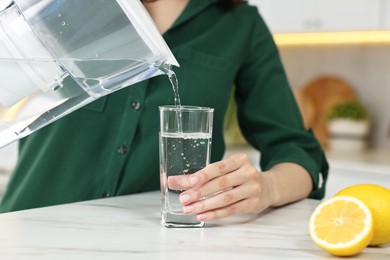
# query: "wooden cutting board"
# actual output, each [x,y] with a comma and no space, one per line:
[317,97]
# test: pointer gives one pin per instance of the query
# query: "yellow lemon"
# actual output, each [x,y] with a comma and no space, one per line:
[341,226]
[377,198]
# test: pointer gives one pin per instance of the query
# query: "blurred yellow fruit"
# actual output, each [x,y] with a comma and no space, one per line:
[341,226]
[377,198]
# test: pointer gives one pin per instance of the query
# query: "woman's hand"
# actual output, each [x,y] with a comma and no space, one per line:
[224,188]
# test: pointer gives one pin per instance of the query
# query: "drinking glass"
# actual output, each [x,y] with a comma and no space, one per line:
[185,146]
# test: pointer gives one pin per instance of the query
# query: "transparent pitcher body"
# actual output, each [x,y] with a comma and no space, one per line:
[57,56]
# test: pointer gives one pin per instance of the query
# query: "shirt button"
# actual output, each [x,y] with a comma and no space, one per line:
[106,195]
[136,105]
[122,150]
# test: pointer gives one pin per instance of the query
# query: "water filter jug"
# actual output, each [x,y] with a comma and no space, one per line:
[59,55]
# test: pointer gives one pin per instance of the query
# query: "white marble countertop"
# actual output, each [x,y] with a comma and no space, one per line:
[128,227]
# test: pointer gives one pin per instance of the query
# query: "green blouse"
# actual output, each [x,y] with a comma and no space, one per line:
[110,147]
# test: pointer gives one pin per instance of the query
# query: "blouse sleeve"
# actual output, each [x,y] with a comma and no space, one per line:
[268,114]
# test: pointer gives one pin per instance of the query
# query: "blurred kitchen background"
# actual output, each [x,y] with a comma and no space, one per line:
[333,51]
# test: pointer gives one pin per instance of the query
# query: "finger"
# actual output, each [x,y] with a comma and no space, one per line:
[184,182]
[178,182]
[216,185]
[220,200]
[181,182]
[216,169]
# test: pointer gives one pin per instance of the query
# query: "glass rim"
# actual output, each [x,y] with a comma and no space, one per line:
[185,108]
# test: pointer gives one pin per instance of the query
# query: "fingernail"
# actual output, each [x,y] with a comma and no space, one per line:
[184,198]
[188,209]
[194,180]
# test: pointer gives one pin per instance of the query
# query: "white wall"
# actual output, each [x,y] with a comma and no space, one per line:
[367,68]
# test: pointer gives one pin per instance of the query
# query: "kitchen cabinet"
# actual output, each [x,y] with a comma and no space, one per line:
[283,16]
[386,14]
[288,15]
